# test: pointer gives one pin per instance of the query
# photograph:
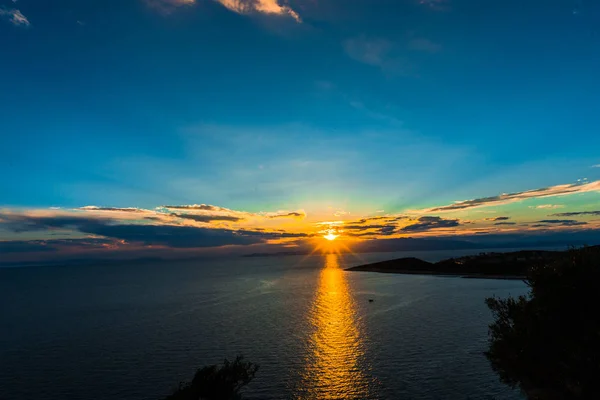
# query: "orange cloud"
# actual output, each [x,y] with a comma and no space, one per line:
[260,6]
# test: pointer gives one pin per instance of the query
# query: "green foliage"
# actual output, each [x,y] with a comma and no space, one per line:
[217,382]
[548,343]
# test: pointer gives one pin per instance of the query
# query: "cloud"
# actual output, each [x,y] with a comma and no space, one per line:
[372,52]
[596,166]
[576,213]
[369,230]
[175,236]
[34,246]
[562,222]
[271,7]
[279,234]
[168,6]
[150,234]
[428,223]
[388,218]
[21,246]
[215,210]
[284,214]
[498,219]
[15,17]
[548,206]
[435,5]
[506,198]
[125,209]
[376,52]
[505,223]
[202,207]
[424,45]
[207,218]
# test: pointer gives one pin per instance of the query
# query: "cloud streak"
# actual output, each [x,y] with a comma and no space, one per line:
[577,214]
[269,7]
[207,218]
[507,198]
[428,223]
[562,222]
[207,209]
[15,16]
[36,246]
[424,45]
[168,6]
[498,219]
[376,52]
[116,209]
[547,206]
[175,236]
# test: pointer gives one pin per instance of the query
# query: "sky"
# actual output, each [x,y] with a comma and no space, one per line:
[185,127]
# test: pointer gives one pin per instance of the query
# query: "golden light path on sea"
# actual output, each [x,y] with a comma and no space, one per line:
[332,369]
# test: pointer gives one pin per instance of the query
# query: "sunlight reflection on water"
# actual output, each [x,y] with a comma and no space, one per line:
[333,369]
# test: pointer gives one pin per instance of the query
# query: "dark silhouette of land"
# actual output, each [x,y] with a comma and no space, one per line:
[513,265]
[217,382]
[547,343]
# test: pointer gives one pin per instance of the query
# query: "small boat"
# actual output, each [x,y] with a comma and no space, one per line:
[371,300]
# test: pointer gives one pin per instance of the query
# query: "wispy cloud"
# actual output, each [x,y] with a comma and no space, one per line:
[547,206]
[207,218]
[147,234]
[429,223]
[125,209]
[272,7]
[376,52]
[216,210]
[168,6]
[32,246]
[576,214]
[424,45]
[285,214]
[498,219]
[562,222]
[201,207]
[15,16]
[506,198]
[436,5]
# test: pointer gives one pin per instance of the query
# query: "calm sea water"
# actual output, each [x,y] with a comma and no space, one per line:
[135,331]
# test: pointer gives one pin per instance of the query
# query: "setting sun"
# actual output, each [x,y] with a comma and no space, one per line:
[330,236]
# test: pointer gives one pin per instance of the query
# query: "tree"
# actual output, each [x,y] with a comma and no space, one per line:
[217,382]
[548,342]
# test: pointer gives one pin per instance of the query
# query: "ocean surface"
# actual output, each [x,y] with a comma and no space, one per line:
[135,331]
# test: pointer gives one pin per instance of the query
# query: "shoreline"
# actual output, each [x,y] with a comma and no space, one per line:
[491,265]
[440,274]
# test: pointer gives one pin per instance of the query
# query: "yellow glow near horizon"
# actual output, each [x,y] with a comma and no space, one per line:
[330,236]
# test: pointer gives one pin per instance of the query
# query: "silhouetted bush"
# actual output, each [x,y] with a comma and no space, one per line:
[548,342]
[217,382]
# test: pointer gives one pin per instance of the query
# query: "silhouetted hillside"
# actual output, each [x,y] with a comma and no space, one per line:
[512,265]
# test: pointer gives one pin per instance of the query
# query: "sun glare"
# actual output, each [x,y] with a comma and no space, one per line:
[330,236]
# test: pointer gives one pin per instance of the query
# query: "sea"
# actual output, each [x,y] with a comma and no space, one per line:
[134,331]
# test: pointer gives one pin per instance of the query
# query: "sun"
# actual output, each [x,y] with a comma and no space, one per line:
[330,236]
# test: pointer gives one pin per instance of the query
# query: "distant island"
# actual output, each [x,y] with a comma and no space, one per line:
[513,265]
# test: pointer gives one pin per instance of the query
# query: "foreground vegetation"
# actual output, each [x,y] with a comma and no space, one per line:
[217,382]
[548,342]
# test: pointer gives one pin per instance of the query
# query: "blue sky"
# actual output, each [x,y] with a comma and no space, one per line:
[339,109]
